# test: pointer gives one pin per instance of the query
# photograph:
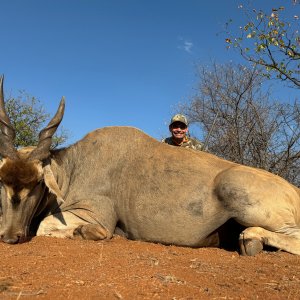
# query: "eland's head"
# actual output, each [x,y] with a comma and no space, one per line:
[22,175]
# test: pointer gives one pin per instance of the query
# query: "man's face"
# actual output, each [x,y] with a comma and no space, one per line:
[178,130]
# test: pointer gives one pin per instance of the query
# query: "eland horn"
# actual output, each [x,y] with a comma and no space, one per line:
[42,151]
[7,134]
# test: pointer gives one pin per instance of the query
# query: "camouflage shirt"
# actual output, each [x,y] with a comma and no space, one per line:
[187,143]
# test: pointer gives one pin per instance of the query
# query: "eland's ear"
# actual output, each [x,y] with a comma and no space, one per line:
[40,170]
[52,185]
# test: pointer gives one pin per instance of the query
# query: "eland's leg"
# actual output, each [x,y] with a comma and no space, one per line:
[253,239]
[266,204]
[68,225]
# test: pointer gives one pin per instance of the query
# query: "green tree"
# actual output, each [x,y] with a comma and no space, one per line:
[28,117]
[270,39]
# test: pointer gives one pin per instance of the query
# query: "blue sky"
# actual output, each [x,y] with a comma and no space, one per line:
[119,62]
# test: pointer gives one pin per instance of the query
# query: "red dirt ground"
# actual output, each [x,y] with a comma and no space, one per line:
[50,268]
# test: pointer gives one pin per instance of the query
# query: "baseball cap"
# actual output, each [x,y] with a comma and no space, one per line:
[179,118]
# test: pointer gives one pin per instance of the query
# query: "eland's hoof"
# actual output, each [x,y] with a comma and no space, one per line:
[250,247]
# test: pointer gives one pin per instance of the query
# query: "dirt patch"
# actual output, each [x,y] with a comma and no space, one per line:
[50,268]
